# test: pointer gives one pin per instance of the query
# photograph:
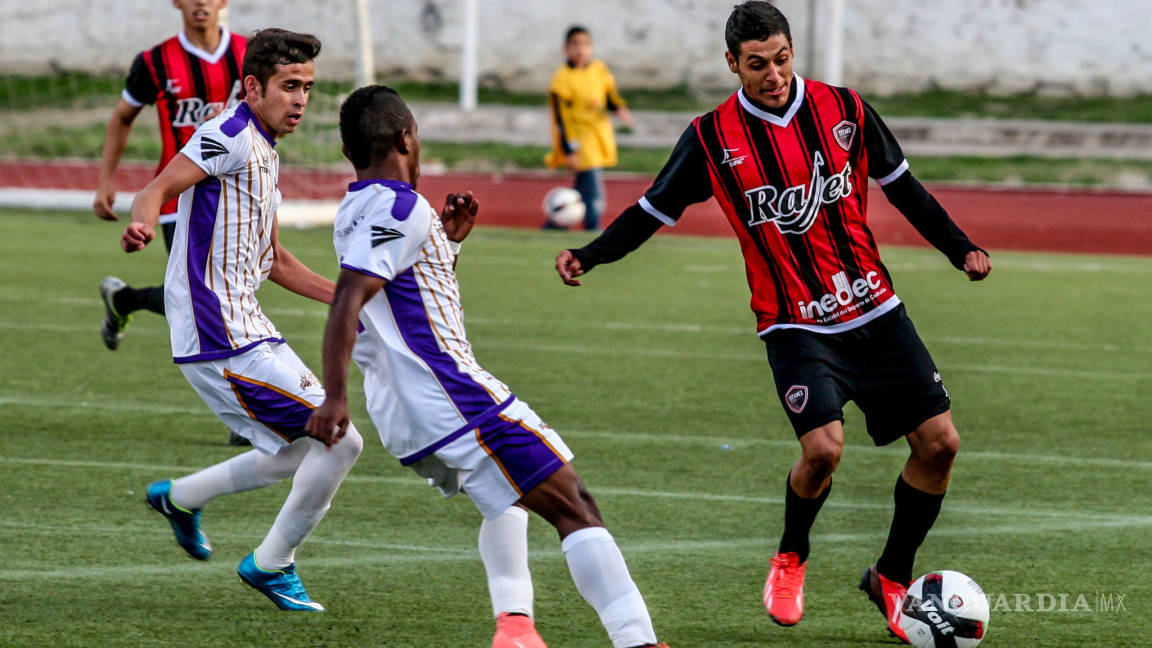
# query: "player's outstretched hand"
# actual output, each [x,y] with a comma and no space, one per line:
[568,267]
[136,237]
[102,205]
[977,265]
[328,422]
[459,215]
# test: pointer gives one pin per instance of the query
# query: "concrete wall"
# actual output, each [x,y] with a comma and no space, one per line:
[1058,46]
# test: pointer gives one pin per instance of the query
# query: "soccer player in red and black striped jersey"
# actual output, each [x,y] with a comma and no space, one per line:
[788,160]
[190,77]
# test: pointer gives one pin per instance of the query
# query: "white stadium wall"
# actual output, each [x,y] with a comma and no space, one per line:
[999,46]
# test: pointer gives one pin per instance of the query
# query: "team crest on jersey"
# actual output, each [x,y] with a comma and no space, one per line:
[210,148]
[797,398]
[382,235]
[843,133]
[794,210]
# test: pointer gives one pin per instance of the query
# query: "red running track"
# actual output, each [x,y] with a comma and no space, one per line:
[1088,221]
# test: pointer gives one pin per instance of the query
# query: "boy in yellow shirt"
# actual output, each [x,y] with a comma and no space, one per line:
[581,95]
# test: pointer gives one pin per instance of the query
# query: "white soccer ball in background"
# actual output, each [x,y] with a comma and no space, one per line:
[563,207]
[945,608]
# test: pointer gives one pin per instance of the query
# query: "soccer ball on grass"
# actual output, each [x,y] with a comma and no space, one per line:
[944,608]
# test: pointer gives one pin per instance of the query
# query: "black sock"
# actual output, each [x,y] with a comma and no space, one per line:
[129,300]
[799,515]
[914,515]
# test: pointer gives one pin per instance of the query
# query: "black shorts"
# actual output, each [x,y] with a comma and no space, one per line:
[882,366]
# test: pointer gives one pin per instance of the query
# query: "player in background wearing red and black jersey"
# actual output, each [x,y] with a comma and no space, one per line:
[788,161]
[190,77]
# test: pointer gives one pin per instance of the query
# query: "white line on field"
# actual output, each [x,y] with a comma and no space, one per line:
[422,554]
[625,436]
[665,327]
[979,511]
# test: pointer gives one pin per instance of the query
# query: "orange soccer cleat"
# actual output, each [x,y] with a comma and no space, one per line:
[888,596]
[516,631]
[784,589]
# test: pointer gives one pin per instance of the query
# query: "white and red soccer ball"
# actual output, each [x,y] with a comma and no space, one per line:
[563,207]
[945,608]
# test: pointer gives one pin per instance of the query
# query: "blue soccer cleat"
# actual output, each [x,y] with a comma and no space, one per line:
[185,523]
[281,586]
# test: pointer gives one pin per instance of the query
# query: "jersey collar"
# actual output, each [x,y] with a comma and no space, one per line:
[391,184]
[776,120]
[209,57]
[242,116]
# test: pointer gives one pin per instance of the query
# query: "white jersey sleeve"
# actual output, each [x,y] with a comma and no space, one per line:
[214,152]
[388,239]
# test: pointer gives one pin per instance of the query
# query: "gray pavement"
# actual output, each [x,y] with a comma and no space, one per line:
[917,135]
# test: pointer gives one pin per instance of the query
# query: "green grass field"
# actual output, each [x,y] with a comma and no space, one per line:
[653,376]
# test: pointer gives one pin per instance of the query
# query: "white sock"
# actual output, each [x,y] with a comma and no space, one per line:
[603,580]
[247,471]
[315,482]
[504,550]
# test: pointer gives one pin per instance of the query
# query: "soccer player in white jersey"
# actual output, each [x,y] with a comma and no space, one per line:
[226,244]
[397,303]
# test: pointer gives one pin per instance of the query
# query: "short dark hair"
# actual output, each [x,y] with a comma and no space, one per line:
[371,120]
[268,48]
[572,31]
[754,20]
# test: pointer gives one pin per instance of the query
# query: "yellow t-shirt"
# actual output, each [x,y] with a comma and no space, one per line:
[580,99]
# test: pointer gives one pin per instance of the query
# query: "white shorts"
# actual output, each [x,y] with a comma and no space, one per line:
[265,394]
[497,461]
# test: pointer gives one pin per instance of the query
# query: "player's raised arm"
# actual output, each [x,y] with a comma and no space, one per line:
[353,290]
[180,174]
[291,273]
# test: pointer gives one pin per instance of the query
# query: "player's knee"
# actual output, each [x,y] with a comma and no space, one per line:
[940,446]
[821,454]
[351,444]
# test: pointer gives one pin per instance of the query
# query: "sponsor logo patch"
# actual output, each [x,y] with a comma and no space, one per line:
[210,148]
[797,398]
[730,160]
[843,133]
[384,234]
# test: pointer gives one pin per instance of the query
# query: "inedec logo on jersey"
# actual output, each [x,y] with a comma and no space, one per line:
[846,294]
[794,210]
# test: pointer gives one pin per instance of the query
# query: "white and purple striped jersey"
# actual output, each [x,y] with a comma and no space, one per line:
[423,384]
[222,250]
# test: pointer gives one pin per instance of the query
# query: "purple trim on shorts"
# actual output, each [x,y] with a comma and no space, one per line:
[468,427]
[224,353]
[211,331]
[403,295]
[521,453]
[361,271]
[281,413]
[239,121]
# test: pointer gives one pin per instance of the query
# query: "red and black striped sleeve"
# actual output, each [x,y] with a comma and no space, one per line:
[683,181]
[887,165]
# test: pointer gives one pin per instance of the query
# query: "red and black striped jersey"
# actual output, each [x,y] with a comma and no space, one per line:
[794,186]
[188,85]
